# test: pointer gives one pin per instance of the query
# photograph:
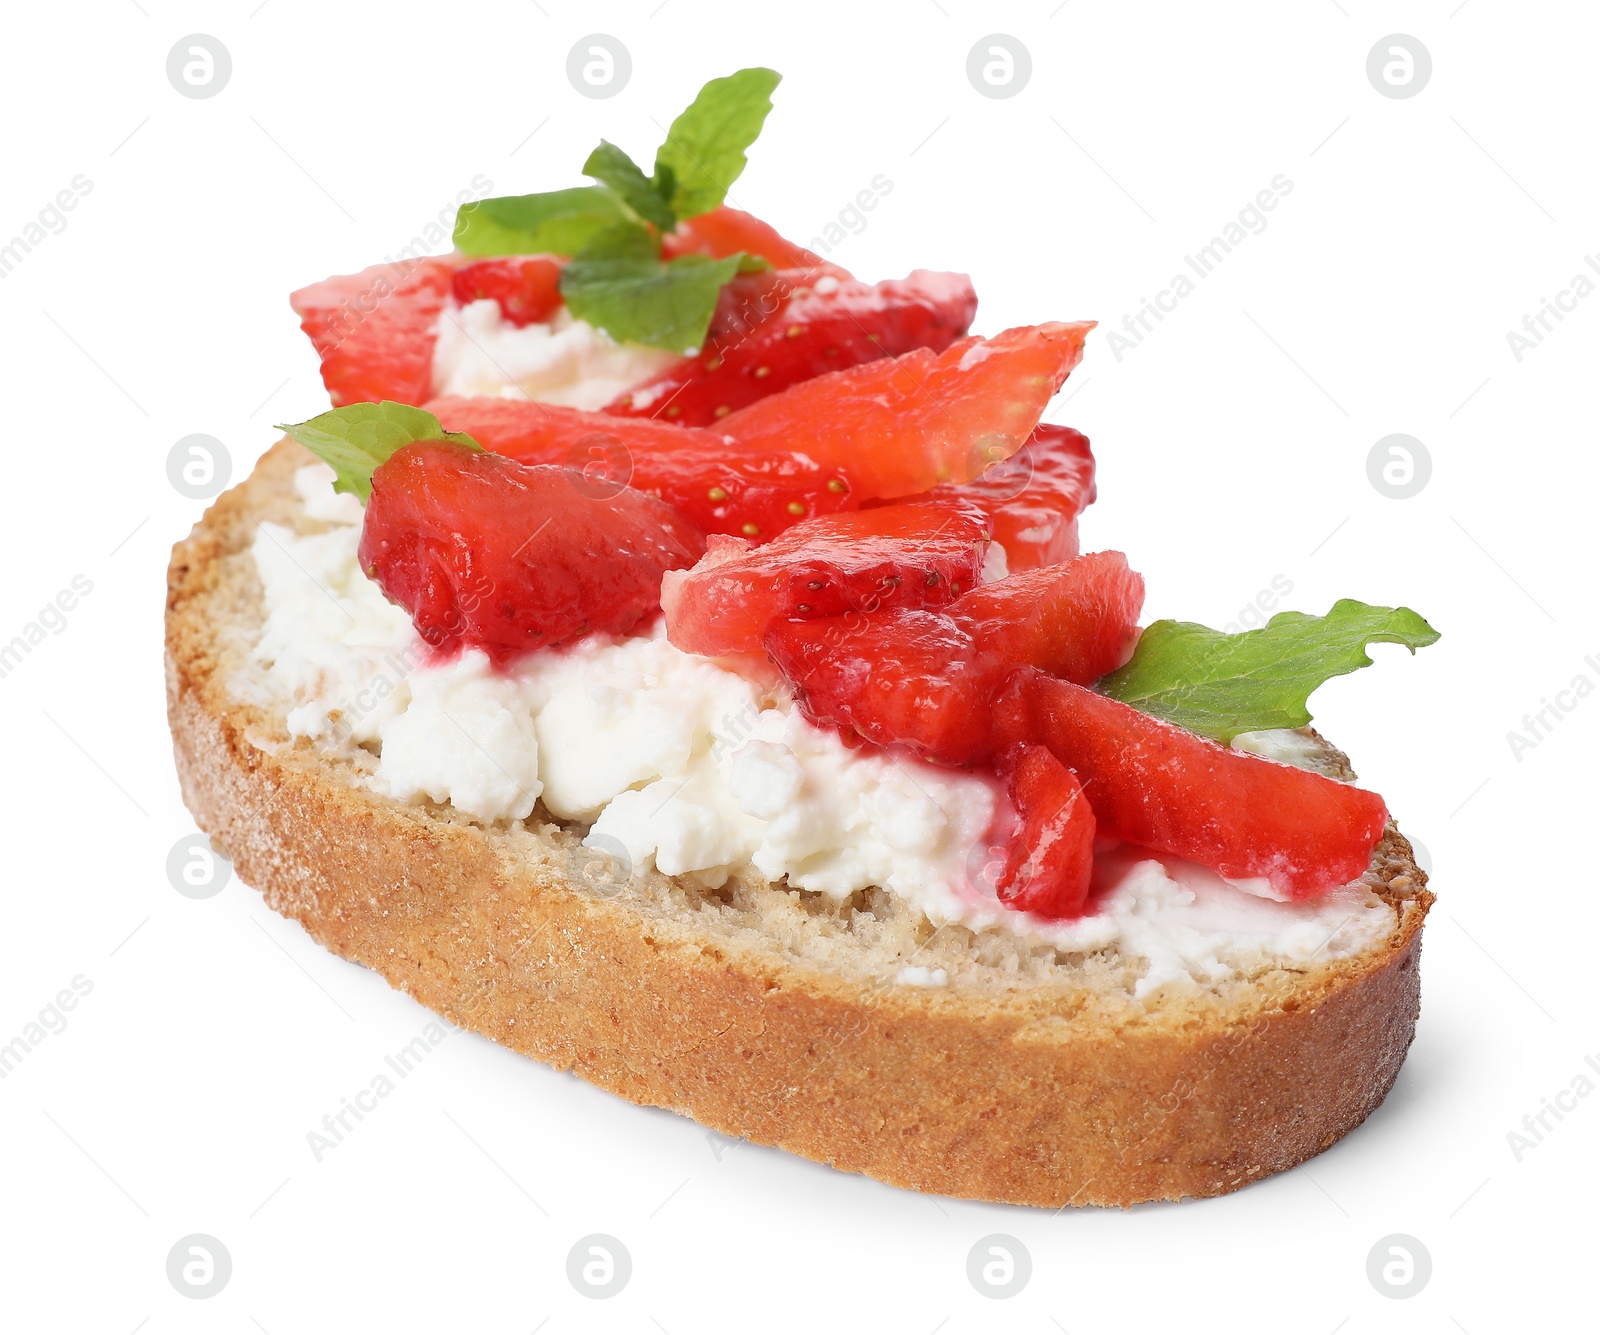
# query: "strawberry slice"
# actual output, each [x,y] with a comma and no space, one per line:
[1049,861]
[486,552]
[719,485]
[1034,498]
[777,329]
[725,231]
[921,554]
[527,287]
[1159,785]
[375,330]
[928,679]
[903,425]
[1079,620]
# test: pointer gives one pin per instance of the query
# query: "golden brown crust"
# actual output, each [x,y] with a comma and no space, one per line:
[1038,1095]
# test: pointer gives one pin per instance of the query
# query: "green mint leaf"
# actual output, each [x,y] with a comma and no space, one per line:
[621,241]
[1221,685]
[609,165]
[558,222]
[665,180]
[704,152]
[620,284]
[356,439]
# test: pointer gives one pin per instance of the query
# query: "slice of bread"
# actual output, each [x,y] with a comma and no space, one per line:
[1032,1076]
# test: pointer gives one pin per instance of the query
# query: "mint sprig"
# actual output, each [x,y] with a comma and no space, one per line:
[558,222]
[1220,685]
[613,168]
[355,440]
[620,284]
[617,279]
[705,149]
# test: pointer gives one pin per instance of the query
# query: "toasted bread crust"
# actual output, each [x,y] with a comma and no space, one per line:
[1035,1095]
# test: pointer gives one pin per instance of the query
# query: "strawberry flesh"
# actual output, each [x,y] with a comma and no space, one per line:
[527,288]
[1159,785]
[726,231]
[777,329]
[1079,620]
[902,425]
[921,554]
[1049,862]
[927,679]
[483,551]
[375,330]
[719,485]
[1034,498]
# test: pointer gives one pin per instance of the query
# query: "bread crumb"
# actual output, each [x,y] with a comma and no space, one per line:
[916,975]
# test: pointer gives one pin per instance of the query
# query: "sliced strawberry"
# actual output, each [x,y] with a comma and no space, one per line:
[486,552]
[1155,784]
[375,331]
[922,554]
[1049,861]
[903,425]
[527,287]
[748,300]
[1079,620]
[777,329]
[1034,498]
[725,231]
[928,679]
[720,485]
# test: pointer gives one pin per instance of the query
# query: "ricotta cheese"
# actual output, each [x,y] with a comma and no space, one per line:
[566,361]
[467,737]
[338,649]
[679,763]
[1188,922]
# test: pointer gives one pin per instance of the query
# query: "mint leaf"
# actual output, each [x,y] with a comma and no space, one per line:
[620,284]
[1221,685]
[617,279]
[355,439]
[621,241]
[609,165]
[558,222]
[704,152]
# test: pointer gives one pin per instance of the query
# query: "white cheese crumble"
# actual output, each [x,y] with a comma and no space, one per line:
[566,361]
[467,737]
[1183,919]
[692,768]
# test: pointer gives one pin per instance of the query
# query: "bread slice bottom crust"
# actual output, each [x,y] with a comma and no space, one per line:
[1039,1093]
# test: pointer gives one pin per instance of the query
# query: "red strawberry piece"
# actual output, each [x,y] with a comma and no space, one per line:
[905,424]
[922,554]
[927,679]
[527,287]
[749,300]
[720,485]
[375,331]
[725,231]
[1161,786]
[777,329]
[483,551]
[1049,861]
[1079,620]
[1034,498]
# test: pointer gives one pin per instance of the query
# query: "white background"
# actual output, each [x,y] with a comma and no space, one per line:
[1232,446]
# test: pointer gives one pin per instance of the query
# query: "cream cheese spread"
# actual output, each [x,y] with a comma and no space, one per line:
[566,361]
